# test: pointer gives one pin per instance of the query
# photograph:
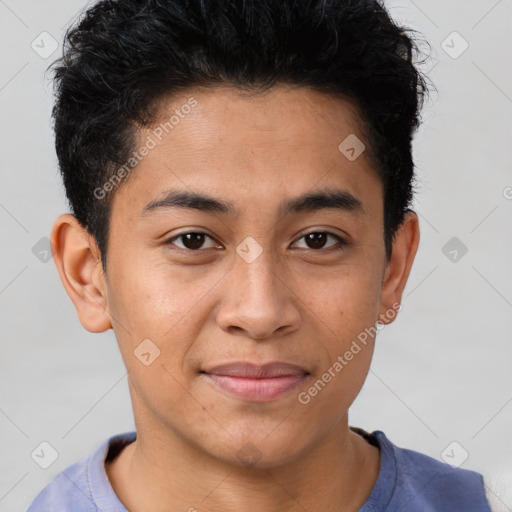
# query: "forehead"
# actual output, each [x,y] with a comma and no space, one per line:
[251,148]
[289,115]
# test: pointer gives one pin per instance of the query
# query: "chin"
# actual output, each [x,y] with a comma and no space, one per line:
[260,451]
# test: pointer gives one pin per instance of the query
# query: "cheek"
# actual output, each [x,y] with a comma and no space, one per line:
[343,303]
[154,300]
[344,367]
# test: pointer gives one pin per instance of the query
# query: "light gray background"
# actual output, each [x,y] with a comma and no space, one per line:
[441,372]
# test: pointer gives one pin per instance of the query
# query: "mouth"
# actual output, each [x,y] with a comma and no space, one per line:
[256,383]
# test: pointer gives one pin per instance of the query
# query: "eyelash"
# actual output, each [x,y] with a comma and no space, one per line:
[341,242]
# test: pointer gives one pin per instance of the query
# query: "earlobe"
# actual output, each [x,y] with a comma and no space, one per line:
[78,262]
[405,246]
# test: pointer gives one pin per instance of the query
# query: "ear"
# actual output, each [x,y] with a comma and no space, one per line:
[405,245]
[78,262]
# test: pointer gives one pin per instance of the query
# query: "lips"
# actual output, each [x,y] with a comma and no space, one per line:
[254,371]
[256,383]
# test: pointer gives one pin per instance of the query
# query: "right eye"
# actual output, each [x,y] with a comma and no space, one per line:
[192,240]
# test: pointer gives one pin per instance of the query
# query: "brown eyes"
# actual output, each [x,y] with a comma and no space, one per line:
[317,239]
[194,240]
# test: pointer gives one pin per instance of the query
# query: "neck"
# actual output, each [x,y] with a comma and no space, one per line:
[161,472]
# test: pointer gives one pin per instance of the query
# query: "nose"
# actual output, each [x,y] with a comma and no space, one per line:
[258,302]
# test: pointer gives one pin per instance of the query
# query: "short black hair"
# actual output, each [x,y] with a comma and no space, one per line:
[122,57]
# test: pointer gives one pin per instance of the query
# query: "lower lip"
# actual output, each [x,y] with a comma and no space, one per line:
[256,390]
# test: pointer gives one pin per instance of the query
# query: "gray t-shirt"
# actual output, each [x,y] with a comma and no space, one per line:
[408,481]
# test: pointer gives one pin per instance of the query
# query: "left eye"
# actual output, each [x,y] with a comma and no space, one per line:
[193,241]
[318,238]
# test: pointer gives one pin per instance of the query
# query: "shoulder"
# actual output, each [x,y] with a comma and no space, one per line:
[83,486]
[425,484]
[70,486]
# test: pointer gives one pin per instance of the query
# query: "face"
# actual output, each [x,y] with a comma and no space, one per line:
[258,273]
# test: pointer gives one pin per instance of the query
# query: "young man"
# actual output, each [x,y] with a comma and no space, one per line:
[240,176]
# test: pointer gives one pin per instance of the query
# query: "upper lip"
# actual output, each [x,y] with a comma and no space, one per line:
[256,371]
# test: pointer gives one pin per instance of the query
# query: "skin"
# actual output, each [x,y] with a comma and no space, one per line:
[297,302]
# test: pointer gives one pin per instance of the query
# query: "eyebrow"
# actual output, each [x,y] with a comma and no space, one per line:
[309,202]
